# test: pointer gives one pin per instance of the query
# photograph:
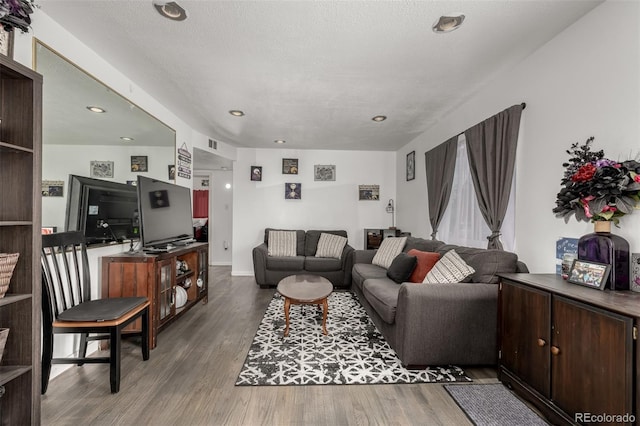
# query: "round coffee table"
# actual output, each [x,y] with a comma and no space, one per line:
[305,289]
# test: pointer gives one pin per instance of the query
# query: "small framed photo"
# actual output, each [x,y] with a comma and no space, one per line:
[172,171]
[289,166]
[589,274]
[256,173]
[369,192]
[324,172]
[139,163]
[101,169]
[292,191]
[6,42]
[411,165]
[52,188]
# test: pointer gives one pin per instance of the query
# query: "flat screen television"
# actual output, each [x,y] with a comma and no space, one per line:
[104,211]
[165,213]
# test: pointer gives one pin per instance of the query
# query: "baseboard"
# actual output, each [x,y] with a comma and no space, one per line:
[220,264]
[241,273]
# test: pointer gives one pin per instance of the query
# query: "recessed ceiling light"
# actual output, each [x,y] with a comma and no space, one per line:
[236,113]
[379,118]
[280,141]
[126,138]
[170,10]
[448,23]
[96,109]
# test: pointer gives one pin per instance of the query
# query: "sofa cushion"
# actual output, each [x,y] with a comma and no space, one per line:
[382,295]
[389,249]
[401,268]
[422,244]
[282,243]
[313,236]
[363,271]
[285,263]
[487,263]
[322,264]
[330,245]
[300,238]
[449,269]
[424,263]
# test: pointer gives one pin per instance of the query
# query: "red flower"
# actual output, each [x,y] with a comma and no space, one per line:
[584,173]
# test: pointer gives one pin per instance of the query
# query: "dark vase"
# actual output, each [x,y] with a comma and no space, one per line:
[604,247]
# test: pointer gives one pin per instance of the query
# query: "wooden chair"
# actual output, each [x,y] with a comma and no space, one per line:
[67,307]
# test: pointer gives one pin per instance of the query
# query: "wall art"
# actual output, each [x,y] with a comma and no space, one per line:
[411,165]
[139,163]
[52,188]
[324,172]
[369,192]
[292,191]
[101,169]
[289,166]
[171,168]
[256,173]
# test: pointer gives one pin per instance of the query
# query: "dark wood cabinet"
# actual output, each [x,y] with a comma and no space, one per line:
[569,349]
[20,221]
[157,277]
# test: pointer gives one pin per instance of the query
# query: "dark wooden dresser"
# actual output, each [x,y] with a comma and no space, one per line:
[570,350]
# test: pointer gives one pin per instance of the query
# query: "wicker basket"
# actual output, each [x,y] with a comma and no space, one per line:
[7,264]
[4,332]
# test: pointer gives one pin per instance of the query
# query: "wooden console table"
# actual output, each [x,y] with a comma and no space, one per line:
[157,277]
[570,350]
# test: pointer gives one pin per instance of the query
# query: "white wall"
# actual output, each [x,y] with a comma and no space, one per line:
[584,82]
[221,214]
[324,205]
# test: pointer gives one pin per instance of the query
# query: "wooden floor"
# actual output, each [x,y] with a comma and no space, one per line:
[189,380]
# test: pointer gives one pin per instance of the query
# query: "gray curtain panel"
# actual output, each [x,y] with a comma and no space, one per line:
[440,163]
[491,149]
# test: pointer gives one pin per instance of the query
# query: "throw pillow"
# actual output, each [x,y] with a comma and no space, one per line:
[425,262]
[330,245]
[388,250]
[449,269]
[281,243]
[401,267]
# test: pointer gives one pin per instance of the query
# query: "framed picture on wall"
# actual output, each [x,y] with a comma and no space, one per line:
[139,163]
[324,172]
[256,173]
[52,188]
[101,169]
[289,166]
[292,191]
[369,192]
[172,171]
[411,165]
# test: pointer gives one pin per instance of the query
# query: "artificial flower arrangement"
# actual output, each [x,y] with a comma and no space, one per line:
[596,188]
[15,14]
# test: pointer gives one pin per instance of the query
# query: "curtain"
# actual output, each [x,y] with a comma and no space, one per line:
[491,150]
[439,165]
[201,203]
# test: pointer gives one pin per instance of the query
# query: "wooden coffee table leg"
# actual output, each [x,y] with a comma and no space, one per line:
[325,311]
[287,305]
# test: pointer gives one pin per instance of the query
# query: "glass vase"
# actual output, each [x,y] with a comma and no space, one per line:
[604,247]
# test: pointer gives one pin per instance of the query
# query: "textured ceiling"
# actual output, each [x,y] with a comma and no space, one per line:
[314,72]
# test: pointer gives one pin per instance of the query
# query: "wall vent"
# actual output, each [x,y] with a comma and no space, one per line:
[213,144]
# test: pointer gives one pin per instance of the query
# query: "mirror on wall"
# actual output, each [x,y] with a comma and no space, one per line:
[116,145]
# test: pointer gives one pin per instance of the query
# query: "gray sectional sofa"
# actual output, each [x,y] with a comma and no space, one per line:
[437,324]
[269,270]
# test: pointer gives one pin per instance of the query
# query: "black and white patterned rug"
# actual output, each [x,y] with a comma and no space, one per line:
[354,352]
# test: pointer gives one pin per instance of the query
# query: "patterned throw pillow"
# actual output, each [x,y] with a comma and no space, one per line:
[389,249]
[330,245]
[449,269]
[281,243]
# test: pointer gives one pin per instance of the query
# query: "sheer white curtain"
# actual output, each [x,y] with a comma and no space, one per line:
[463,223]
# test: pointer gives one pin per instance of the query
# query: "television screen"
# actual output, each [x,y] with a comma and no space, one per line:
[104,211]
[165,213]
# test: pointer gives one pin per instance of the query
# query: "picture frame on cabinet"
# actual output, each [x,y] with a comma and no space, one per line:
[6,43]
[589,274]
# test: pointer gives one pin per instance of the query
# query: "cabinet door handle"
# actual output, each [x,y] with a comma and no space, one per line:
[555,350]
[541,342]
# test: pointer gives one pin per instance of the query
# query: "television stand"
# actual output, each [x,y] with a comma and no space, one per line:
[155,276]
